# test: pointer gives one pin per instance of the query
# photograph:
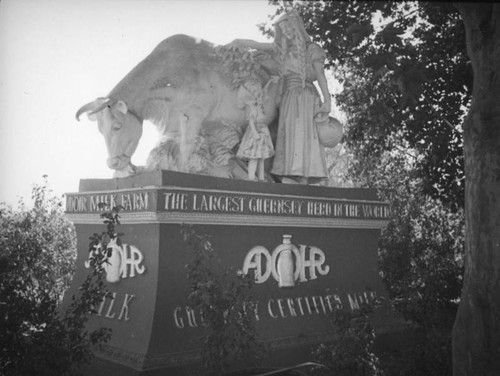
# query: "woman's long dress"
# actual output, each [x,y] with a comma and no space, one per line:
[298,151]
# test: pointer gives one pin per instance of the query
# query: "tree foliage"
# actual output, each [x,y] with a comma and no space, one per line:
[38,245]
[406,85]
[37,257]
[406,80]
[476,332]
[421,263]
[422,260]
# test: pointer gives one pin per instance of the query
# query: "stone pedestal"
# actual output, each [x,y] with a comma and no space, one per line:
[331,261]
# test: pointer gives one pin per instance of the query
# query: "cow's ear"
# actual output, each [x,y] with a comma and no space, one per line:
[92,117]
[120,108]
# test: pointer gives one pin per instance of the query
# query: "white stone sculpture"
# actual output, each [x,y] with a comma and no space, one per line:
[188,88]
[299,153]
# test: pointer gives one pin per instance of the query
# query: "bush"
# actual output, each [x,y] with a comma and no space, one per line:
[421,263]
[350,352]
[37,256]
[421,256]
[224,301]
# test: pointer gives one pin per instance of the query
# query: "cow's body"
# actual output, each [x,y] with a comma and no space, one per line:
[183,88]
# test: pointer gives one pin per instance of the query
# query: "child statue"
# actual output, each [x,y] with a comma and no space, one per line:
[256,145]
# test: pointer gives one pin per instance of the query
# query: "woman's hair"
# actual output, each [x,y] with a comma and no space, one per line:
[300,40]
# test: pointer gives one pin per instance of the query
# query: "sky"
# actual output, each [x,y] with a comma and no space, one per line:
[56,55]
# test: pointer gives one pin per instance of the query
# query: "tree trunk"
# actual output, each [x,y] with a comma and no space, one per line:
[476,333]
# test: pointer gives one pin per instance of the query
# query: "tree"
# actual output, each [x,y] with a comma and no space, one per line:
[406,84]
[476,334]
[446,62]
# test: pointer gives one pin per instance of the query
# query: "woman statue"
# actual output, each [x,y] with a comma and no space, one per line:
[299,156]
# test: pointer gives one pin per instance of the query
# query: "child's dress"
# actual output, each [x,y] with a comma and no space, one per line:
[255,146]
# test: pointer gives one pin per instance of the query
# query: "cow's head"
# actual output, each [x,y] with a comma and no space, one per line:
[121,128]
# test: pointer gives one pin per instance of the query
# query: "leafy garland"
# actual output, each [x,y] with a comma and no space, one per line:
[238,63]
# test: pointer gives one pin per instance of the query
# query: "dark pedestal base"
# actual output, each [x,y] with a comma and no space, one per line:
[333,235]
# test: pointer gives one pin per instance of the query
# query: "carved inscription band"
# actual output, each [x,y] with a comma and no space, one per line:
[184,205]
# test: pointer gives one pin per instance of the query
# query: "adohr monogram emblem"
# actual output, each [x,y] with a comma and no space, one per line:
[124,262]
[286,264]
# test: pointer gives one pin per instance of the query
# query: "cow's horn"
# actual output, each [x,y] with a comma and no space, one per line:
[93,107]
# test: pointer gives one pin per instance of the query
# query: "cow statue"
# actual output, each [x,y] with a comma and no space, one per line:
[188,90]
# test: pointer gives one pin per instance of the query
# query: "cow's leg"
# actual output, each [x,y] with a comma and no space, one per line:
[193,158]
[165,156]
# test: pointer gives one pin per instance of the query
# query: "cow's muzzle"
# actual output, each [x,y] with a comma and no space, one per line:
[118,163]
